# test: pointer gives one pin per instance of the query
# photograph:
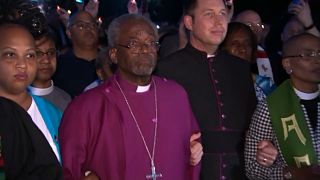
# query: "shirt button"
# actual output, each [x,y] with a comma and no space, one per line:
[221,104]
[213,70]
[216,81]
[223,177]
[224,165]
[223,128]
[219,92]
[223,116]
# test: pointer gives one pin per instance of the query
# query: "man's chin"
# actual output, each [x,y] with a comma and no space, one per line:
[144,72]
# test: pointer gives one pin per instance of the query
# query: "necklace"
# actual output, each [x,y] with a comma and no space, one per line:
[153,174]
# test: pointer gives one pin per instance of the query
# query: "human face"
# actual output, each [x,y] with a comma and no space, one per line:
[253,20]
[84,30]
[305,69]
[46,59]
[257,27]
[207,25]
[135,64]
[18,64]
[132,7]
[239,44]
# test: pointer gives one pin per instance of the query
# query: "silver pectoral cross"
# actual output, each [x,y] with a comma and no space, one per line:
[153,174]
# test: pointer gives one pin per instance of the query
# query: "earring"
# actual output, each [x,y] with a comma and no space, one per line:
[289,71]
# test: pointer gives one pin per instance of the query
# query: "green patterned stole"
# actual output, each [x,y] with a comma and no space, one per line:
[290,126]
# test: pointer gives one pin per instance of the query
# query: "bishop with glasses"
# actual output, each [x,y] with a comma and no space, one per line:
[134,126]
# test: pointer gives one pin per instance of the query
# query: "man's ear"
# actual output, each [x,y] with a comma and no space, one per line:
[113,54]
[188,22]
[286,64]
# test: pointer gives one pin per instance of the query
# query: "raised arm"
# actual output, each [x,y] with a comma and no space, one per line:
[303,13]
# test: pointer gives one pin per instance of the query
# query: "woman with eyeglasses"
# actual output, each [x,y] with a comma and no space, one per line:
[47,62]
[283,141]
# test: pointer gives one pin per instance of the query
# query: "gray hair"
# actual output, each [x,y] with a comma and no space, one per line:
[115,25]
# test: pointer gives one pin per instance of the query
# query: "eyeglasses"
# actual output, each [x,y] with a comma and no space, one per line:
[306,55]
[81,25]
[51,53]
[255,25]
[136,47]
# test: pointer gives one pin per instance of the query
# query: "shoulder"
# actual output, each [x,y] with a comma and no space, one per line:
[41,101]
[66,59]
[232,66]
[13,118]
[181,63]
[12,115]
[166,83]
[174,58]
[45,105]
[62,93]
[8,107]
[181,56]
[89,99]
[169,86]
[4,103]
[233,60]
[66,55]
[89,96]
[91,107]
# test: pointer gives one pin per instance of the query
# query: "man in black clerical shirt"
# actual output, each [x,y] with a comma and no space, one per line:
[219,87]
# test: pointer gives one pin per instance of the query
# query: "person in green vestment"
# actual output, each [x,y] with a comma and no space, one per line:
[283,141]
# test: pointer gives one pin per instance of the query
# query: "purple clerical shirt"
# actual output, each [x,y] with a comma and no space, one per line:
[99,134]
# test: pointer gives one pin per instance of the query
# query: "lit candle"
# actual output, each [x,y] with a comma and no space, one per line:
[99,21]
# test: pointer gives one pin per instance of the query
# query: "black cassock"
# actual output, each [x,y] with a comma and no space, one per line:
[223,100]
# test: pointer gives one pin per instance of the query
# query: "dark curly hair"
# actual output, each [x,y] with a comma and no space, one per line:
[26,13]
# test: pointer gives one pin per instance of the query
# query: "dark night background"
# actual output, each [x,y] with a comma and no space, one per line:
[170,10]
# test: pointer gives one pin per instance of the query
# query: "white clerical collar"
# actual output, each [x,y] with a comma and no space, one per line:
[306,96]
[210,55]
[141,89]
[41,91]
